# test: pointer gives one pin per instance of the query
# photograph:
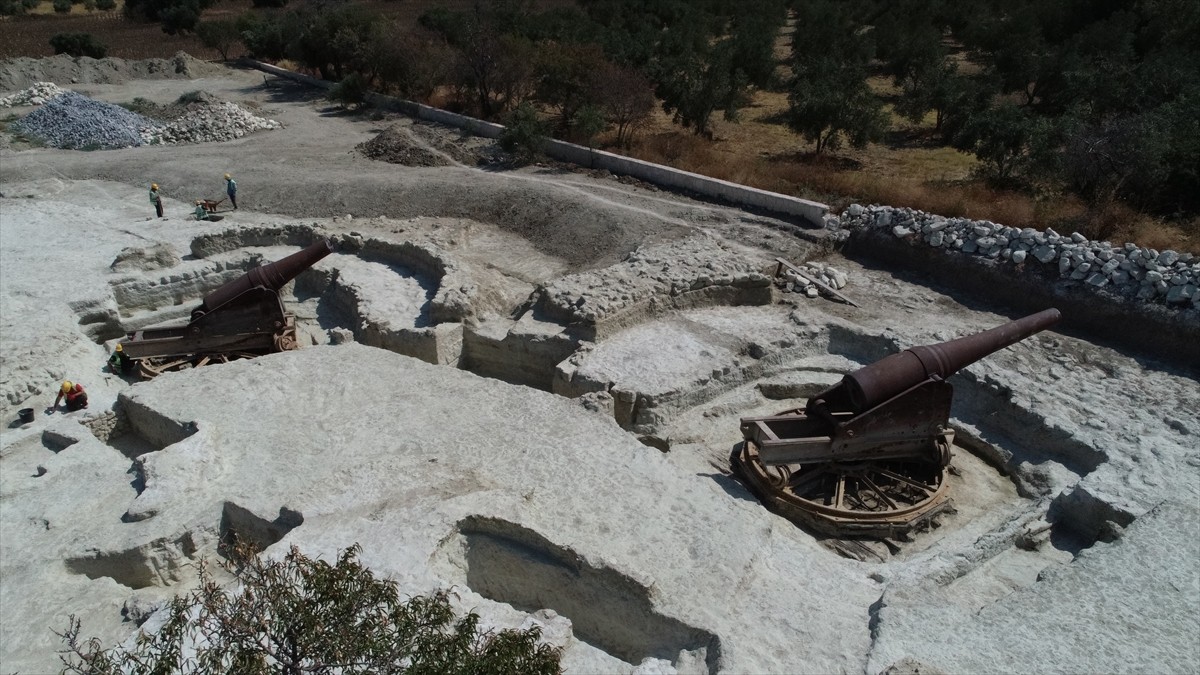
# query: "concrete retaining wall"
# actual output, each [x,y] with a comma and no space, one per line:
[813,212]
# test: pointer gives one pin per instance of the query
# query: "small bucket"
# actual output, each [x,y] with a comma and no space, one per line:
[26,415]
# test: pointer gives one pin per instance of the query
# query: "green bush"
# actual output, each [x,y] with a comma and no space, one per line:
[301,615]
[524,134]
[221,35]
[11,8]
[77,44]
[62,6]
[106,5]
[350,92]
[180,18]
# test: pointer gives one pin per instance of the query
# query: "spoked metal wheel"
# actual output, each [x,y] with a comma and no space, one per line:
[149,368]
[880,498]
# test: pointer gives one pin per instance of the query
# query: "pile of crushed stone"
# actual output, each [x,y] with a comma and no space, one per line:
[206,121]
[38,94]
[23,72]
[74,121]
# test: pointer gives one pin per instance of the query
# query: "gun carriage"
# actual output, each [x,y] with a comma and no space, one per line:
[242,319]
[869,456]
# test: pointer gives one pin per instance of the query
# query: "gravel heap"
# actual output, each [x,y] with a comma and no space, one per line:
[72,120]
[397,146]
[75,121]
[204,122]
[38,94]
[1145,274]
[826,274]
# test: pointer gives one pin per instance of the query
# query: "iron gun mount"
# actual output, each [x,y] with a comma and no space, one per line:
[869,455]
[242,319]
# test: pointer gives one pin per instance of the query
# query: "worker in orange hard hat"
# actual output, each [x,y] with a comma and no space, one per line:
[76,397]
[120,362]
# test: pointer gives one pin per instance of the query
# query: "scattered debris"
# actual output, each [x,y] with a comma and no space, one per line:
[812,278]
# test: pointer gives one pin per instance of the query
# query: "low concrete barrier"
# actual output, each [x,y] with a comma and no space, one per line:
[812,212]
[295,77]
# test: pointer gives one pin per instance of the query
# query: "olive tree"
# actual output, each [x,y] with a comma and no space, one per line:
[304,615]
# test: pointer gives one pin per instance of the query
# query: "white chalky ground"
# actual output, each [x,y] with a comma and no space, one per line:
[526,501]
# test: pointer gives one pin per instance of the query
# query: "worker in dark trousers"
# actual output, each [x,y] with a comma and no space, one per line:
[231,190]
[156,199]
[76,397]
[119,362]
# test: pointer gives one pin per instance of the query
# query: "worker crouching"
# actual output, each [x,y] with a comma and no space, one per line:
[76,397]
[119,362]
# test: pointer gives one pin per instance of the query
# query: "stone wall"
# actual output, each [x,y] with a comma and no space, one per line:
[1136,297]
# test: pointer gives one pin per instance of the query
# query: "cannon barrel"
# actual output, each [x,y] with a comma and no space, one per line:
[878,382]
[272,275]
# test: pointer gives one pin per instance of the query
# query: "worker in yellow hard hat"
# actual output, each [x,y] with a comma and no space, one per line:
[231,190]
[76,397]
[156,199]
[120,362]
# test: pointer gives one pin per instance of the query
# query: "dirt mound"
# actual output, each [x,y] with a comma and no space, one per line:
[19,73]
[425,144]
[396,145]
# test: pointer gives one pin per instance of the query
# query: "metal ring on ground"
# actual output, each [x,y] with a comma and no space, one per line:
[881,498]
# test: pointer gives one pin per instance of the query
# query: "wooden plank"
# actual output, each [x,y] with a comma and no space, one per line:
[823,287]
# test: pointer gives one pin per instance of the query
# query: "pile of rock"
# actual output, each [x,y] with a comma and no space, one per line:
[38,94]
[205,122]
[1136,272]
[809,272]
[72,120]
[397,146]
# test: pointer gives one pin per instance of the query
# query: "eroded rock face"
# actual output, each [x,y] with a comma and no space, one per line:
[156,256]
[440,455]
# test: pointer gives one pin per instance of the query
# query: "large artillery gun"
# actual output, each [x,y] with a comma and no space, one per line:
[869,456]
[241,319]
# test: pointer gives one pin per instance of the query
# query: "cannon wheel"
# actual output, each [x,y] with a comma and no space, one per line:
[881,498]
[150,368]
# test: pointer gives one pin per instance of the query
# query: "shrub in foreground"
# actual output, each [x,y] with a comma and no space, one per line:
[301,615]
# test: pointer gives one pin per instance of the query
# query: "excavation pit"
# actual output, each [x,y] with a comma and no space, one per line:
[611,611]
[687,379]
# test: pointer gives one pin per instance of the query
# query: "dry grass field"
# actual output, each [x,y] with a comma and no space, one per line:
[906,169]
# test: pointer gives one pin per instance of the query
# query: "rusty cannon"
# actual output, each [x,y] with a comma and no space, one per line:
[869,456]
[241,319]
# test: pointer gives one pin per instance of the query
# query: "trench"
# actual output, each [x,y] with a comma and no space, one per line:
[239,525]
[609,610]
[414,300]
[161,562]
